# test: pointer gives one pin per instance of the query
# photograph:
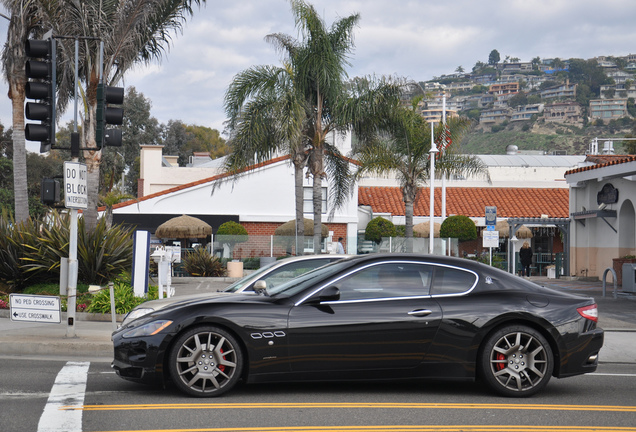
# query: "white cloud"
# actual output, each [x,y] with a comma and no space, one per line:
[418,39]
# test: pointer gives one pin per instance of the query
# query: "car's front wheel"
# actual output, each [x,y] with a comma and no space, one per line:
[516,361]
[205,361]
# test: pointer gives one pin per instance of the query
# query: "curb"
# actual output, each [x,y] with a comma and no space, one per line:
[79,316]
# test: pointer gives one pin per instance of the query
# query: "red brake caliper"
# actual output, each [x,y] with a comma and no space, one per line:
[500,366]
[222,367]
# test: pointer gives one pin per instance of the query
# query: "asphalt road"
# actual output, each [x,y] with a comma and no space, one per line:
[31,400]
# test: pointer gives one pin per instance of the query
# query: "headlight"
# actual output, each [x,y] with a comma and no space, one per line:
[136,313]
[150,329]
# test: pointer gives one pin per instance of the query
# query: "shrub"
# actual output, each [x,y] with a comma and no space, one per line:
[125,299]
[15,241]
[230,233]
[199,262]
[379,227]
[30,252]
[459,227]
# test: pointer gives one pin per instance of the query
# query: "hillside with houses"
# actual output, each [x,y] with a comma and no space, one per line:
[551,106]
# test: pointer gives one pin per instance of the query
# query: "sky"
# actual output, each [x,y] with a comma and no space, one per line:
[415,39]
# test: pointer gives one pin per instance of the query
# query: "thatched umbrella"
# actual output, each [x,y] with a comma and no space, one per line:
[183,227]
[288,229]
[504,230]
[424,229]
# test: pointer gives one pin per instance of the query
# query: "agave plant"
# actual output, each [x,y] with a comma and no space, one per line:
[102,254]
[15,241]
[199,262]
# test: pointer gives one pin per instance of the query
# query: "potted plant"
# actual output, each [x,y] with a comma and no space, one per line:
[618,266]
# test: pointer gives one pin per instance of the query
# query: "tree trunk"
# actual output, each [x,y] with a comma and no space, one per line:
[20,193]
[92,158]
[317,201]
[409,193]
[92,168]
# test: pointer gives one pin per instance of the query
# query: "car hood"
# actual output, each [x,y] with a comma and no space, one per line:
[190,298]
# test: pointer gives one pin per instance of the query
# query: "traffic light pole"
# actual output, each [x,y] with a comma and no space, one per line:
[72,246]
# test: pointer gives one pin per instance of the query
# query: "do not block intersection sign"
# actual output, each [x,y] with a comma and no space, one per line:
[32,308]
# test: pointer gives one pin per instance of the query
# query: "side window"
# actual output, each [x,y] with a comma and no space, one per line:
[452,281]
[291,271]
[387,281]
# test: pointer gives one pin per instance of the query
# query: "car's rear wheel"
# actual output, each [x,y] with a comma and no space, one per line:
[205,361]
[516,361]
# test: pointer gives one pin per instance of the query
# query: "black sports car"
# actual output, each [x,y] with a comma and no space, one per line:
[387,316]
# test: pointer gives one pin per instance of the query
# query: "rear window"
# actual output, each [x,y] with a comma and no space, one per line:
[450,280]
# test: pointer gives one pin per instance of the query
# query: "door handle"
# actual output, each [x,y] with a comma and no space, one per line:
[421,312]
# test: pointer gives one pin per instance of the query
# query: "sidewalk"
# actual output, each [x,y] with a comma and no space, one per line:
[92,338]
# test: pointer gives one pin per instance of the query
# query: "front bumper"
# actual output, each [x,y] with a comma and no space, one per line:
[140,359]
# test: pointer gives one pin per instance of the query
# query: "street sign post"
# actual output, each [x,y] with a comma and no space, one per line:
[490,236]
[33,308]
[75,185]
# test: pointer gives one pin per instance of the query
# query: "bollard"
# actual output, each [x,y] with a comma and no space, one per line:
[111,287]
[615,281]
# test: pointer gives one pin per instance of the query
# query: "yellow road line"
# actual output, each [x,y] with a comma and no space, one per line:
[400,428]
[482,406]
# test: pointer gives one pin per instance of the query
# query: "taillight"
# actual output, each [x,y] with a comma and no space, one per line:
[589,312]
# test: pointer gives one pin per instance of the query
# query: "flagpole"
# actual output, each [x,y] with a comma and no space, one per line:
[432,200]
[444,144]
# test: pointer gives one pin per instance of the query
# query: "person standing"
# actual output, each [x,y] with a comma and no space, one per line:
[525,256]
[339,246]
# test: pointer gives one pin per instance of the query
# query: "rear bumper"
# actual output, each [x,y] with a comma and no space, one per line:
[583,354]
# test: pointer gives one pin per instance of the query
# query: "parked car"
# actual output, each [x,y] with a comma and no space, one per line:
[391,316]
[269,275]
[282,271]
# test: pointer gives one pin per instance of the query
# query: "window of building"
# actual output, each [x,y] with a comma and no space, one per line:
[308,200]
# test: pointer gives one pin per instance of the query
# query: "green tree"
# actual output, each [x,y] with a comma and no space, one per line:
[297,106]
[404,150]
[494,57]
[133,32]
[379,227]
[230,233]
[459,69]
[460,227]
[23,23]
[205,139]
[174,138]
[519,99]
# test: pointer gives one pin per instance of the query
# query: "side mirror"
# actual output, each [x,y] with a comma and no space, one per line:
[331,293]
[260,287]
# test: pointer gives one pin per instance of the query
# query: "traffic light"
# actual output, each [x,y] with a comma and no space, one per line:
[50,191]
[109,115]
[40,87]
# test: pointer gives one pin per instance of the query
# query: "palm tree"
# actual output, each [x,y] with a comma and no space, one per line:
[22,23]
[133,31]
[266,115]
[404,150]
[295,107]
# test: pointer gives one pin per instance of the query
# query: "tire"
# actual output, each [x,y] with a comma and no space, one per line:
[205,361]
[516,361]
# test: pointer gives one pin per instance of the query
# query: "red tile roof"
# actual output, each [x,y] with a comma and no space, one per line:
[602,161]
[471,202]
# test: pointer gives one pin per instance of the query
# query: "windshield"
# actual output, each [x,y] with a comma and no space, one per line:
[245,280]
[305,281]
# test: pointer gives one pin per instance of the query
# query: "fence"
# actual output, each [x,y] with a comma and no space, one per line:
[277,246]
